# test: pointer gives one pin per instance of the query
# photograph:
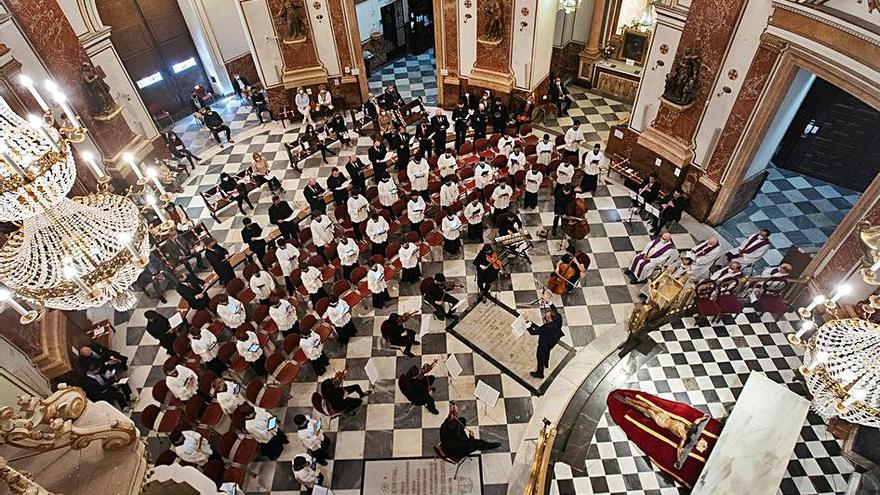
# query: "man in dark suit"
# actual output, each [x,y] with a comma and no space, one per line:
[440,124]
[314,195]
[548,334]
[560,97]
[376,154]
[470,101]
[108,360]
[214,122]
[252,235]
[260,104]
[217,258]
[239,82]
[460,118]
[178,149]
[425,135]
[279,212]
[456,441]
[100,386]
[191,292]
[418,387]
[670,211]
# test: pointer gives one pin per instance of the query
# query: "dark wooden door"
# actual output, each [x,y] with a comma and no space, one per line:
[156,49]
[421,25]
[394,29]
[833,137]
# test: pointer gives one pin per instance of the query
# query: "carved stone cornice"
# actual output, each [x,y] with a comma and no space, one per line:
[773,43]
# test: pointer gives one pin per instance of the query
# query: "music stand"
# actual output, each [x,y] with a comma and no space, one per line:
[638,203]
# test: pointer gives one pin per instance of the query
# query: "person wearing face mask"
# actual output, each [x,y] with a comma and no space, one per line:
[304,106]
[479,122]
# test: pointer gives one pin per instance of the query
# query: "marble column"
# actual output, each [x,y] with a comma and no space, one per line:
[492,66]
[592,50]
[54,41]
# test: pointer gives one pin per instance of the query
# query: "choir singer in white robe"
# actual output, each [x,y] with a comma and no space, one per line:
[417,171]
[192,447]
[656,255]
[182,382]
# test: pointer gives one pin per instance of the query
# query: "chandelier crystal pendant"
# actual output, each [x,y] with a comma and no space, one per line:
[569,6]
[70,253]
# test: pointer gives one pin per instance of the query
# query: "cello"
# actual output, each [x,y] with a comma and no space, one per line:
[559,280]
[575,225]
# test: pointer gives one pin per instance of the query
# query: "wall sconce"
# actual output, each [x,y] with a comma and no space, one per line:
[658,63]
[467,17]
[523,25]
[869,239]
[726,90]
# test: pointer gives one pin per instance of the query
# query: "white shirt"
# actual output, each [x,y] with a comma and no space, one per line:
[311,435]
[288,259]
[564,173]
[534,179]
[448,193]
[592,162]
[516,162]
[505,145]
[185,384]
[262,284]
[416,209]
[409,258]
[451,227]
[322,230]
[358,208]
[474,213]
[377,230]
[339,313]
[303,102]
[258,427]
[205,346]
[348,252]
[447,164]
[376,280]
[306,476]
[417,171]
[232,313]
[544,148]
[572,138]
[325,98]
[284,314]
[230,398]
[311,346]
[501,197]
[483,175]
[311,279]
[244,347]
[387,192]
[194,449]
[231,488]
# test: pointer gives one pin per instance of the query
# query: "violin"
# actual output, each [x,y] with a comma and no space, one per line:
[494,261]
[339,377]
[426,368]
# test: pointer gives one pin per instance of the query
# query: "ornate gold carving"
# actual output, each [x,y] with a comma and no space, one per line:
[48,424]
[20,482]
[869,240]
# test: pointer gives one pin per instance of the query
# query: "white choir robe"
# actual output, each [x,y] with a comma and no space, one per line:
[311,279]
[205,346]
[417,171]
[387,192]
[704,258]
[185,384]
[409,258]
[593,162]
[573,138]
[564,173]
[284,314]
[307,476]
[311,435]
[288,259]
[262,284]
[448,193]
[377,230]
[534,179]
[339,313]
[348,252]
[311,346]
[501,197]
[656,254]
[415,210]
[483,175]
[232,313]
[258,427]
[750,251]
[231,487]
[322,231]
[447,165]
[505,145]
[544,151]
[195,449]
[230,398]
[725,275]
[451,227]
[358,208]
[474,214]
[376,280]
[516,162]
[243,347]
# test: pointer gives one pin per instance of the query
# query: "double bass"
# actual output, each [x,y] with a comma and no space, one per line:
[575,225]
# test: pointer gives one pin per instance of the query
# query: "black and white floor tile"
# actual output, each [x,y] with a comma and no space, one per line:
[414,75]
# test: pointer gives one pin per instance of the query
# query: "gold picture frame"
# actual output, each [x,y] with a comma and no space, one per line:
[634,45]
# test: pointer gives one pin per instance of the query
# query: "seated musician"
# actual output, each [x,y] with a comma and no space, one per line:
[649,189]
[436,295]
[397,334]
[509,223]
[488,266]
[418,387]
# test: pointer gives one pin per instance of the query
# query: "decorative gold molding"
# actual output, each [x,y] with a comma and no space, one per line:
[20,482]
[307,76]
[670,148]
[491,79]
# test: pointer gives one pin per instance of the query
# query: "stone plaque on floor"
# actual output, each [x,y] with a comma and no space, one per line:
[421,476]
[485,328]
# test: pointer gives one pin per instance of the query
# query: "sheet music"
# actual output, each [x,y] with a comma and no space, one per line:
[486,393]
[519,326]
[453,367]
[175,320]
[320,490]
[372,371]
[427,319]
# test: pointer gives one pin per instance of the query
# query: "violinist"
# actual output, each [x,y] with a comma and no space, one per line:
[456,440]
[562,197]
[488,266]
[670,211]
[437,296]
[418,386]
[339,397]
[396,334]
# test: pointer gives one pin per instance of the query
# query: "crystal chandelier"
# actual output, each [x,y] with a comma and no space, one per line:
[69,253]
[569,6]
[841,365]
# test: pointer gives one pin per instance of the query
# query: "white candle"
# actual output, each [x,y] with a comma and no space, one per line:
[61,100]
[71,274]
[151,200]
[818,358]
[7,297]
[125,240]
[805,327]
[38,124]
[129,158]
[816,301]
[89,158]
[4,153]
[28,83]
[153,174]
[876,266]
[843,290]
[856,393]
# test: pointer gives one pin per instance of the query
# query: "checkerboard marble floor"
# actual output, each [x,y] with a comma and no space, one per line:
[706,366]
[414,75]
[799,211]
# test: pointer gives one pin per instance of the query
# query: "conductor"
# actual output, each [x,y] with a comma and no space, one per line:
[548,334]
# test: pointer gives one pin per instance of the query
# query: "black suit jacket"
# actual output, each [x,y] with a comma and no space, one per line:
[377,154]
[277,213]
[548,334]
[314,195]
